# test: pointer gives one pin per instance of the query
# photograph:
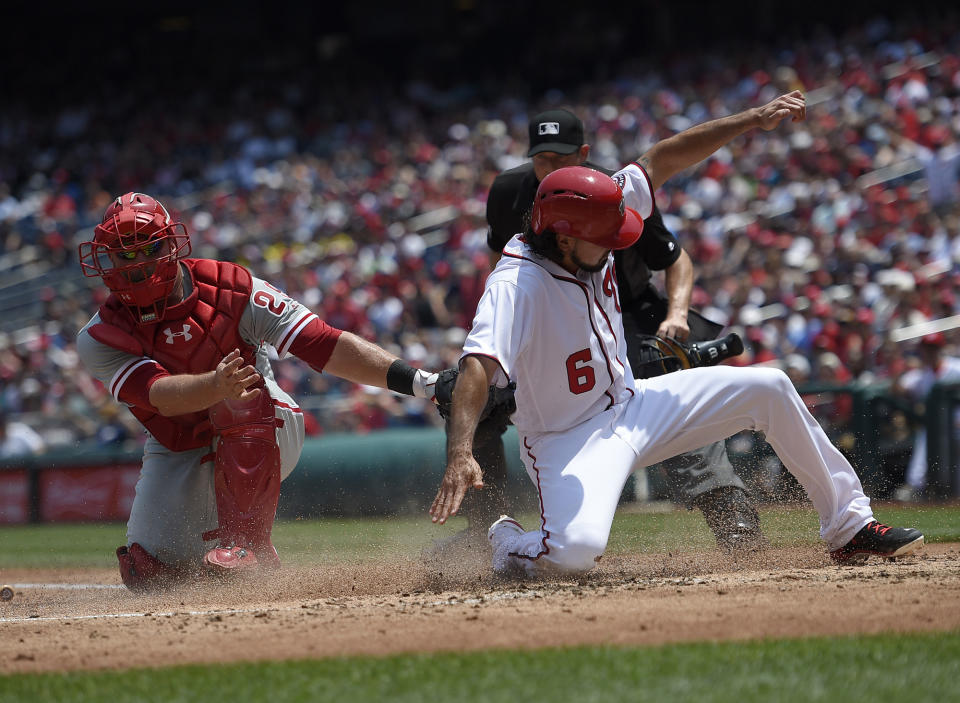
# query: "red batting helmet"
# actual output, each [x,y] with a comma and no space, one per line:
[585,204]
[135,249]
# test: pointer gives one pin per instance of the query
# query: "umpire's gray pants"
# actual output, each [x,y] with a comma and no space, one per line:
[698,472]
[695,473]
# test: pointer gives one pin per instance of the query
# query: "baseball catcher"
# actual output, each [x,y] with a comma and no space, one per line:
[183,344]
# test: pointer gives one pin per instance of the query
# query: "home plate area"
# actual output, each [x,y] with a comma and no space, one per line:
[74,619]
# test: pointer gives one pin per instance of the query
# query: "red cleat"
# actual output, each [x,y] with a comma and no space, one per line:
[230,559]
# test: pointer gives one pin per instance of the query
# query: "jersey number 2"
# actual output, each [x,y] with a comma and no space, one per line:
[263,299]
[580,378]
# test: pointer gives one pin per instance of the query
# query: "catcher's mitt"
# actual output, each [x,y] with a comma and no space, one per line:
[659,355]
[498,399]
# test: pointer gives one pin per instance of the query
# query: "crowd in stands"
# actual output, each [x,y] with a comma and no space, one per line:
[813,240]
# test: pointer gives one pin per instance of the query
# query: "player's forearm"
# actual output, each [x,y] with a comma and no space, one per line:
[360,361]
[670,156]
[469,399]
[678,281]
[185,393]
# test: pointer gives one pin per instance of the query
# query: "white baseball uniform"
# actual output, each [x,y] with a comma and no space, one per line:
[584,423]
[175,500]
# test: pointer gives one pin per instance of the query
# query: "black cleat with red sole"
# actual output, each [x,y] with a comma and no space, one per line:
[879,540]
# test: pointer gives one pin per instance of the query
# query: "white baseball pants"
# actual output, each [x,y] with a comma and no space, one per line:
[580,473]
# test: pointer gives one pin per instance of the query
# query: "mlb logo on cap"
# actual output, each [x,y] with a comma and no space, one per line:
[559,131]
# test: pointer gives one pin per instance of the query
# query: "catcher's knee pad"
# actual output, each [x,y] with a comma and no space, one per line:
[246,473]
[141,571]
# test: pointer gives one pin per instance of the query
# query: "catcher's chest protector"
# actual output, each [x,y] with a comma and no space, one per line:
[196,334]
[192,338]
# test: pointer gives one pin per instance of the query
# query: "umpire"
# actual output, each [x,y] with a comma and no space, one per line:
[705,478]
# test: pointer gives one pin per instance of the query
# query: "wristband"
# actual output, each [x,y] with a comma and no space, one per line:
[403,378]
[400,377]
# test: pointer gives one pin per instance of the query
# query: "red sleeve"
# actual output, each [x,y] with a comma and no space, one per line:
[315,342]
[132,386]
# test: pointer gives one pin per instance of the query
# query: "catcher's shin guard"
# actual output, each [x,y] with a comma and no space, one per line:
[247,483]
[142,572]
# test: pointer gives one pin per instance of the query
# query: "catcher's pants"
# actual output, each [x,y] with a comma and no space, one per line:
[175,501]
[579,473]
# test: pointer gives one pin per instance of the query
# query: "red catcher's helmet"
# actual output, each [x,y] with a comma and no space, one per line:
[135,249]
[585,204]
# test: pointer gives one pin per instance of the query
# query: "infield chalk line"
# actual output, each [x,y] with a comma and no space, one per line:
[70,586]
[510,595]
[108,616]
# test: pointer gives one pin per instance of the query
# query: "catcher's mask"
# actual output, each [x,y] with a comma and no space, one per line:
[579,202]
[135,249]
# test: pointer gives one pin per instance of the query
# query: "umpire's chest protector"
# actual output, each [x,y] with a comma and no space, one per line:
[193,335]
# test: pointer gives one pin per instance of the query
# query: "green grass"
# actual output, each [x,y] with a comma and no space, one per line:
[686,529]
[304,542]
[916,668]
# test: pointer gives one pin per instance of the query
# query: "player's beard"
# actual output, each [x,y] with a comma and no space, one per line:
[590,268]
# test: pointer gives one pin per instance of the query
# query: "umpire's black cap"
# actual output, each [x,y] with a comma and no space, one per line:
[559,131]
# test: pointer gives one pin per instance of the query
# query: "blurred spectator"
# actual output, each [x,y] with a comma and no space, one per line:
[812,240]
[833,409]
[797,368]
[17,439]
[931,365]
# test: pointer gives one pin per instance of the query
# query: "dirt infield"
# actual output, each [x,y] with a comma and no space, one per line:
[404,607]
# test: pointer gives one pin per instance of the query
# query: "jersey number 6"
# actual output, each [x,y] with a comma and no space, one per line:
[580,378]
